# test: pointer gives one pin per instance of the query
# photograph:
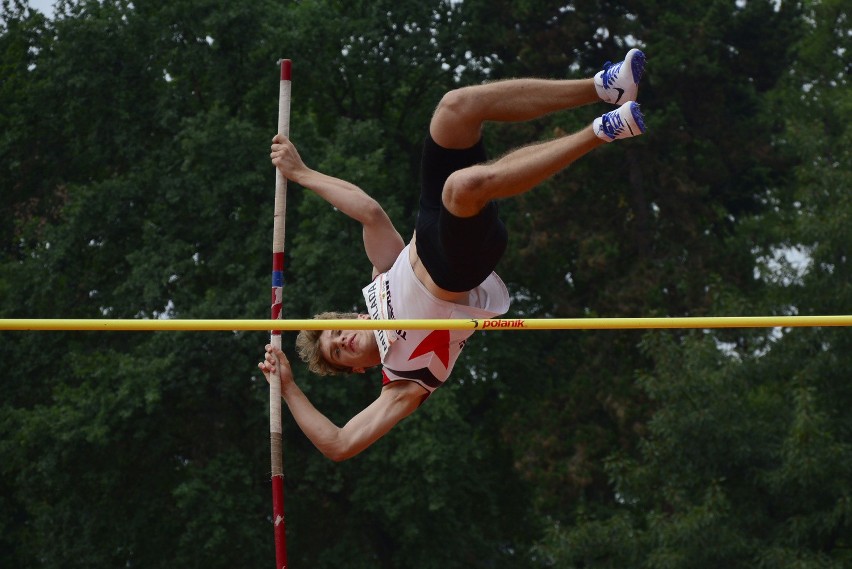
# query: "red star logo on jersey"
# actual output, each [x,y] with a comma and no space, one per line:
[437,342]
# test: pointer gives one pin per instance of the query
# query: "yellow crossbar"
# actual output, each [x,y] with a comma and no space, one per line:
[116,325]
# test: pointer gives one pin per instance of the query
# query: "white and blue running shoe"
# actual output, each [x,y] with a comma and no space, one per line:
[623,122]
[618,83]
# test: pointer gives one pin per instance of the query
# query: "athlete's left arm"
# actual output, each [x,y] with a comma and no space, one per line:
[396,401]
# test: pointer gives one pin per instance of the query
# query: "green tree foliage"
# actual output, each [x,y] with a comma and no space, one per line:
[649,228]
[744,458]
[135,184]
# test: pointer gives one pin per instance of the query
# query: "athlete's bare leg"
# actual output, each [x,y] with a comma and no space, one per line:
[457,122]
[467,191]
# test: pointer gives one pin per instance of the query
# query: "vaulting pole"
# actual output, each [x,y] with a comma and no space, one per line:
[276,445]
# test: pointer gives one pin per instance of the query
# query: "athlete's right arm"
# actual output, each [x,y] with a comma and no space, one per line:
[382,242]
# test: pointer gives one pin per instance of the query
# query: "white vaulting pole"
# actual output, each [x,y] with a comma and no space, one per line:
[280,212]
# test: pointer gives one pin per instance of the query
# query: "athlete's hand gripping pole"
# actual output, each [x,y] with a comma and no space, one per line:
[276,446]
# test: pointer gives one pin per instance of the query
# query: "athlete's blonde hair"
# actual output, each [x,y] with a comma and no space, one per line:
[308,346]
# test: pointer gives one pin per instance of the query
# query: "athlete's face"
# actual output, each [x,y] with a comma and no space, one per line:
[356,349]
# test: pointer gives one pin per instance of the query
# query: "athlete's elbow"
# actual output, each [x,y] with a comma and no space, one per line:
[337,455]
[339,449]
[372,213]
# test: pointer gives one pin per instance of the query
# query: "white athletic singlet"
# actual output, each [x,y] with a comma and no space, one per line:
[424,356]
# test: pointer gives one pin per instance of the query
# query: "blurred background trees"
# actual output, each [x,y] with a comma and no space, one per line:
[135,183]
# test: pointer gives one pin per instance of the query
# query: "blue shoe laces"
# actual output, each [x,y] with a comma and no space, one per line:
[612,124]
[610,71]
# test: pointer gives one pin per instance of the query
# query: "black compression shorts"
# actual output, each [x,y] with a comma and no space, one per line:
[458,252]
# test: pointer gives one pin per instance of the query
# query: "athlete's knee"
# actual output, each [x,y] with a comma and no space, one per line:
[456,122]
[458,103]
[466,191]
